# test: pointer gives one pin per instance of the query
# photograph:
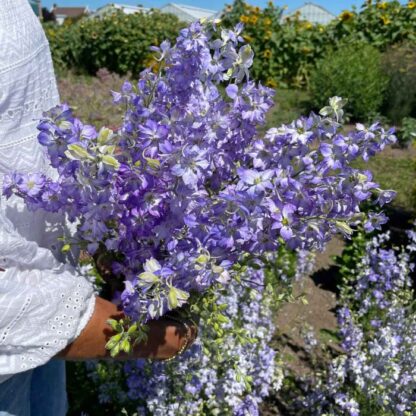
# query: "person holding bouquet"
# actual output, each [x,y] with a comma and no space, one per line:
[48,313]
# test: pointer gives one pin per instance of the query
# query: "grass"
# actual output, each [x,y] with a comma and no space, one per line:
[290,104]
[91,98]
[395,169]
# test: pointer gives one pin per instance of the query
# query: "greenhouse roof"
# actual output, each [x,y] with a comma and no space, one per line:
[313,13]
[188,13]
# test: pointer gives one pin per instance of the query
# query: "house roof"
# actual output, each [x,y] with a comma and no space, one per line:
[188,13]
[70,11]
[313,13]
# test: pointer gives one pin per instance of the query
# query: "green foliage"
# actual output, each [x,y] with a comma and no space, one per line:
[287,50]
[380,23]
[289,104]
[399,63]
[117,41]
[396,170]
[407,133]
[353,71]
[284,50]
[83,392]
[347,263]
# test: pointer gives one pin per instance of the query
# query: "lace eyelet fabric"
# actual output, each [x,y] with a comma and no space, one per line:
[44,304]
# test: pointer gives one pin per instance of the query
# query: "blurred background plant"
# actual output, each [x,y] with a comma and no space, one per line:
[117,41]
[353,71]
[399,64]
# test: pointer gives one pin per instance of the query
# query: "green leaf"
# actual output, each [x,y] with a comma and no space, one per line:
[104,135]
[172,299]
[66,248]
[111,161]
[77,152]
[153,163]
[148,277]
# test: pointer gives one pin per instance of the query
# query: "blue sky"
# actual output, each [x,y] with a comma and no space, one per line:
[333,6]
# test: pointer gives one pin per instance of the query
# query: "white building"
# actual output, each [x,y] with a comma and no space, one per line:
[313,13]
[181,11]
[110,8]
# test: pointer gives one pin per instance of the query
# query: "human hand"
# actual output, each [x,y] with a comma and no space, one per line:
[166,337]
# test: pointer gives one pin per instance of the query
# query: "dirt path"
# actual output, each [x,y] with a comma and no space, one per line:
[318,315]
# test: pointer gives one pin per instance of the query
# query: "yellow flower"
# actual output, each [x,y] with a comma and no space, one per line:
[268,34]
[270,4]
[253,19]
[244,19]
[346,15]
[271,83]
[267,21]
[257,9]
[411,5]
[382,5]
[307,25]
[267,54]
[385,19]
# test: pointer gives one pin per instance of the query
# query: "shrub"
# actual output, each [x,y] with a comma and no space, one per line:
[352,71]
[119,42]
[399,63]
[407,133]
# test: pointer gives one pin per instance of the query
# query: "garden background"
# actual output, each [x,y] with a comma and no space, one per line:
[366,55]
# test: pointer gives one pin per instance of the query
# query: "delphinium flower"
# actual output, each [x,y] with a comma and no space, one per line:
[211,379]
[187,188]
[376,375]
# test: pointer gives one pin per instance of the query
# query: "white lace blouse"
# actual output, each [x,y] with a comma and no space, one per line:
[44,304]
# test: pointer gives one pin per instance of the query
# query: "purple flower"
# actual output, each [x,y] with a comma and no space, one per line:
[31,184]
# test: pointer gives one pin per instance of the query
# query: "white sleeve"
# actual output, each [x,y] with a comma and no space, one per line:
[44,305]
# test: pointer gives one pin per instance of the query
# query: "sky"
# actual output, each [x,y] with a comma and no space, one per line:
[333,6]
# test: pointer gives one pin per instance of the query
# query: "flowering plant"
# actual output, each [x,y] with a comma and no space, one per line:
[377,322]
[187,193]
[216,376]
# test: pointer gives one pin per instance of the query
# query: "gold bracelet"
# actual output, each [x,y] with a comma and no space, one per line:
[187,339]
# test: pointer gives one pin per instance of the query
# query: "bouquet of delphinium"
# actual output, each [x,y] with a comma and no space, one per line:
[187,193]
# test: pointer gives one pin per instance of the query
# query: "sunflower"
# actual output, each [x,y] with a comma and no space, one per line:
[267,54]
[411,5]
[385,19]
[244,19]
[346,15]
[382,5]
[271,83]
